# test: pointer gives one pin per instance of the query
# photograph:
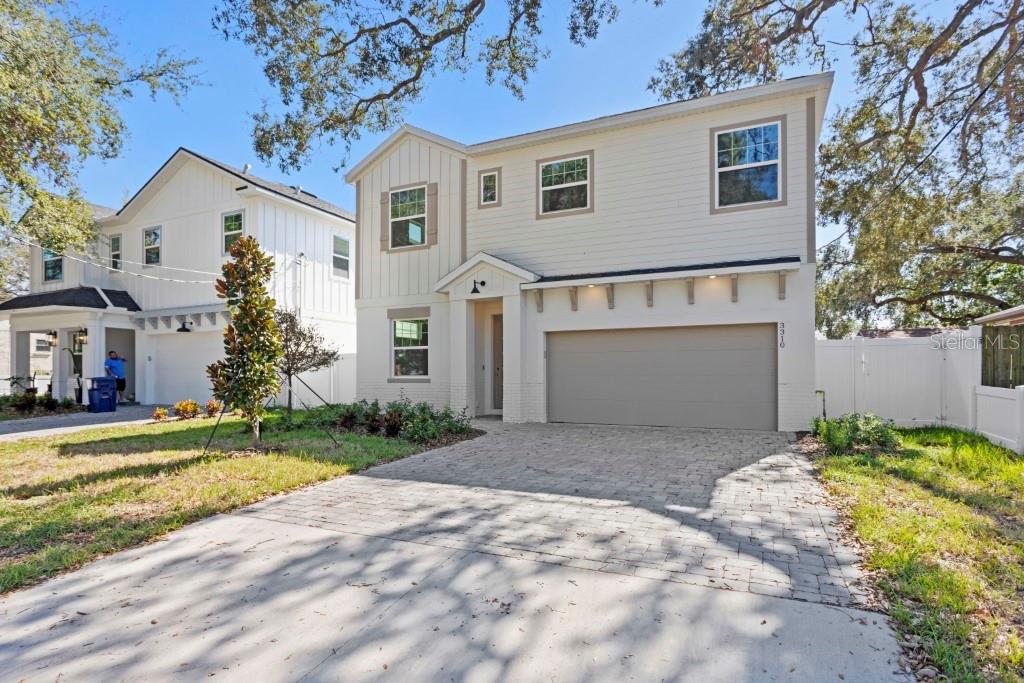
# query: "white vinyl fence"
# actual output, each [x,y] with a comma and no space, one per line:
[919,381]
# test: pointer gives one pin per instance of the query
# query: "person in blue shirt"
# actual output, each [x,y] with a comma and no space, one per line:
[114,366]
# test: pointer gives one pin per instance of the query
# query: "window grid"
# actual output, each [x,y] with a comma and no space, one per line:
[489,188]
[53,266]
[115,252]
[340,257]
[749,160]
[565,185]
[232,227]
[410,347]
[408,217]
[151,246]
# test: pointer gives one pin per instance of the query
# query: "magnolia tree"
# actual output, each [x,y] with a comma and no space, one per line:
[304,349]
[247,375]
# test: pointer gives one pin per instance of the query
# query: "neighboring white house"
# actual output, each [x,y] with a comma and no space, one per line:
[654,267]
[136,290]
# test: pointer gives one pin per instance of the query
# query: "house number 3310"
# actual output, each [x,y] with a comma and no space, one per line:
[782,335]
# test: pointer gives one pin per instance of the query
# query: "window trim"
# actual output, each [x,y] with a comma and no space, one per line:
[56,257]
[334,236]
[397,317]
[160,246]
[541,163]
[120,250]
[781,120]
[223,250]
[391,221]
[480,203]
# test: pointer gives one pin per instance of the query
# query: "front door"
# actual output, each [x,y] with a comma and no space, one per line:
[497,360]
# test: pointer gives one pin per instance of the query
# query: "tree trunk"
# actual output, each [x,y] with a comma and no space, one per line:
[289,395]
[257,435]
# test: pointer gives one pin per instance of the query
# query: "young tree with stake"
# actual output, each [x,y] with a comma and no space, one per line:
[247,375]
[304,349]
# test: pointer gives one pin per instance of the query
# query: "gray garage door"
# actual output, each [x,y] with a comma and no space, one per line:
[706,376]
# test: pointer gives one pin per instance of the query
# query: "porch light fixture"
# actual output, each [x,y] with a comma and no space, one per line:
[476,290]
[712,277]
[83,336]
[51,338]
[184,327]
[590,286]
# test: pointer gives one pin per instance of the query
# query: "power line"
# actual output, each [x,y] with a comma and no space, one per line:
[874,205]
[110,268]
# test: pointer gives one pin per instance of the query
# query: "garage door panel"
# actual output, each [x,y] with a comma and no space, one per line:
[714,376]
[180,365]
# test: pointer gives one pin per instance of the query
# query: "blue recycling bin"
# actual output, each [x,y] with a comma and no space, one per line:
[102,395]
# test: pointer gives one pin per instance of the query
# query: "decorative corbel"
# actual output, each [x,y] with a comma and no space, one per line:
[609,290]
[689,290]
[782,284]
[540,300]
[735,287]
[649,287]
[574,298]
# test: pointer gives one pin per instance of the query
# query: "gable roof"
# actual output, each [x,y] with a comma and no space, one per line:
[629,118]
[181,155]
[483,257]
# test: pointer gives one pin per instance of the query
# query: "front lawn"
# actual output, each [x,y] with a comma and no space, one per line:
[67,500]
[942,521]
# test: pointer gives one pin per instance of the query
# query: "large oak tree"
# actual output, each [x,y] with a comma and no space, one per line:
[61,81]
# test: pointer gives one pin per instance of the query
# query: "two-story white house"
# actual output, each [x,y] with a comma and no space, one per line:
[144,289]
[655,267]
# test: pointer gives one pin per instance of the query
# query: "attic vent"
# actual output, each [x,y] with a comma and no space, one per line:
[246,169]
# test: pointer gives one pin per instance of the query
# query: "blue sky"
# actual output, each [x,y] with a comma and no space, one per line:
[607,76]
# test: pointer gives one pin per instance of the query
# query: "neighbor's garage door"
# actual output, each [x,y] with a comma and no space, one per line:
[713,376]
[180,362]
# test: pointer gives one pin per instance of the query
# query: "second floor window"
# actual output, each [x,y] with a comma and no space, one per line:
[747,165]
[565,185]
[489,190]
[340,256]
[53,266]
[151,244]
[115,252]
[232,228]
[408,217]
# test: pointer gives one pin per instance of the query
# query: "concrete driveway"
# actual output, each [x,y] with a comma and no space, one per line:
[549,552]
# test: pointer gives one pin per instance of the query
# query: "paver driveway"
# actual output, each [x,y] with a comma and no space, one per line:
[476,563]
[732,509]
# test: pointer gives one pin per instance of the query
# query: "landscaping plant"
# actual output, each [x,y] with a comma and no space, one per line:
[247,375]
[159,414]
[856,432]
[186,409]
[214,407]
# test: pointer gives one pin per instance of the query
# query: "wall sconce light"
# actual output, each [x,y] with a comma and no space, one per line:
[51,338]
[476,290]
[83,336]
[184,326]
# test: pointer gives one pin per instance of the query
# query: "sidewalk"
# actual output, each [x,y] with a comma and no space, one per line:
[54,425]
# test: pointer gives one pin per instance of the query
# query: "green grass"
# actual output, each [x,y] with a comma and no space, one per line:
[67,500]
[942,520]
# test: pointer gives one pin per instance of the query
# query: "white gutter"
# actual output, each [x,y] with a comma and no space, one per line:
[671,275]
[253,189]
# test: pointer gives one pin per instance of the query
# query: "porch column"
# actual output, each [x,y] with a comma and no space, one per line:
[513,308]
[462,347]
[94,351]
[21,363]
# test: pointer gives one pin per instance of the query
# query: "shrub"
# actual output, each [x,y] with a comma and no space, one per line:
[349,416]
[186,409]
[856,432]
[49,402]
[372,420]
[68,403]
[25,401]
[160,414]
[213,407]
[424,423]
[392,421]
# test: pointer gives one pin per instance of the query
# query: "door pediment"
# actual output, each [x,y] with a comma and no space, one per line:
[489,275]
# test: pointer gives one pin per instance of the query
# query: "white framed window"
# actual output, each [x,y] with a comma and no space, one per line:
[115,252]
[408,217]
[565,184]
[340,257]
[409,348]
[53,266]
[748,165]
[232,228]
[152,243]
[42,345]
[490,188]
